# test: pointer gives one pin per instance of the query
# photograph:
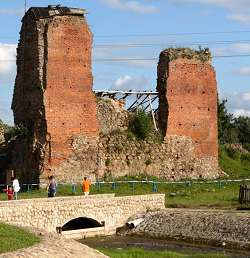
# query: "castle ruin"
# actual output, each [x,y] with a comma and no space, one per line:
[68,128]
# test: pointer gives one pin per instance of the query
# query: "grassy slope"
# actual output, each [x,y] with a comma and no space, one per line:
[13,238]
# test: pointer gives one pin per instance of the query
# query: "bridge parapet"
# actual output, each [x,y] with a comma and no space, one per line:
[51,213]
[56,199]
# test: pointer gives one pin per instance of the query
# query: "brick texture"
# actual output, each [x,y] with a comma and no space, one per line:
[188,101]
[69,100]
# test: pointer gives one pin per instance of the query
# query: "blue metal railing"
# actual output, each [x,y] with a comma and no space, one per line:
[188,183]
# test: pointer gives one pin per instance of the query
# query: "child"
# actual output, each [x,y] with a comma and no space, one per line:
[9,192]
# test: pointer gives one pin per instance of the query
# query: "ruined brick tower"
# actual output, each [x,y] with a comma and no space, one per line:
[188,102]
[53,94]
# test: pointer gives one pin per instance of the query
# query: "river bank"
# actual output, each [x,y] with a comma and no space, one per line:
[228,229]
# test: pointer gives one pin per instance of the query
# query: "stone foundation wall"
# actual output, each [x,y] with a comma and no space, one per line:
[172,160]
[222,229]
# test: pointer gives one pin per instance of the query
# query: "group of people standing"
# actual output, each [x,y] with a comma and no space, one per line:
[13,189]
[51,187]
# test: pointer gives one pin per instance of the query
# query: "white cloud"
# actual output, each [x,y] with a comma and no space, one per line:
[237,103]
[233,5]
[240,48]
[130,6]
[246,96]
[126,83]
[245,70]
[239,17]
[6,114]
[241,112]
[17,11]
[121,81]
[126,53]
[7,63]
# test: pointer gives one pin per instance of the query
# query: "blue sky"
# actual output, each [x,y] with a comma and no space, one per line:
[139,31]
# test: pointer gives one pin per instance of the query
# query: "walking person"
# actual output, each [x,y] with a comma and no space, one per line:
[85,186]
[52,187]
[16,187]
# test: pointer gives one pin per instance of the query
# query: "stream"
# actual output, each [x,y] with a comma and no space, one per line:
[159,245]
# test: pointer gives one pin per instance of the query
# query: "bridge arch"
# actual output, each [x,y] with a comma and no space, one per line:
[81,223]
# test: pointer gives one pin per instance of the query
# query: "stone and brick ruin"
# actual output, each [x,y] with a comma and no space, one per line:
[69,128]
[2,139]
[188,102]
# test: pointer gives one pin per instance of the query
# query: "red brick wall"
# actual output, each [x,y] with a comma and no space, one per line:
[69,101]
[191,103]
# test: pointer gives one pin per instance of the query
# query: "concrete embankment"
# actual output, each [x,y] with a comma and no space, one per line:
[225,229]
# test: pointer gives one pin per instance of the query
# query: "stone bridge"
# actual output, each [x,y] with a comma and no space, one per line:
[52,214]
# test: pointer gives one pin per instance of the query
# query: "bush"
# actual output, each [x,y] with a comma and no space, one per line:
[12,131]
[246,146]
[232,153]
[140,124]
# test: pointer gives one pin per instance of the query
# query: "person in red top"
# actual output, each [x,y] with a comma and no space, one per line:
[9,192]
[85,186]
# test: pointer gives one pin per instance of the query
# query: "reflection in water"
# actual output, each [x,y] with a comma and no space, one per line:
[158,245]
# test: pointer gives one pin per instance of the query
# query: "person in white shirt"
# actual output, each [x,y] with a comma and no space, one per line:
[16,186]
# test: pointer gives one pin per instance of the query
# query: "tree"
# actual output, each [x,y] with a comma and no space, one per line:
[227,129]
[140,123]
[243,127]
[12,131]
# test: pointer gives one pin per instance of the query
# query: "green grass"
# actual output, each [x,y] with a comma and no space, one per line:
[139,253]
[234,163]
[13,238]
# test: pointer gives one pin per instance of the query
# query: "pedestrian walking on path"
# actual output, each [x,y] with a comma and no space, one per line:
[52,187]
[85,186]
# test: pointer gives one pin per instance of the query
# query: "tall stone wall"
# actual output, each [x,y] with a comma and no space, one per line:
[53,94]
[188,100]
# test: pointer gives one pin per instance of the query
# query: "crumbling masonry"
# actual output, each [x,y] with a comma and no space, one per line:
[68,128]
